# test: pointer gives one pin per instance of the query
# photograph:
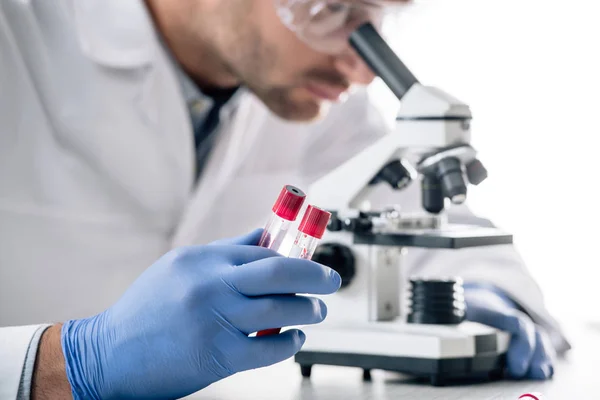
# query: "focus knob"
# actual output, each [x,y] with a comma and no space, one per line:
[337,257]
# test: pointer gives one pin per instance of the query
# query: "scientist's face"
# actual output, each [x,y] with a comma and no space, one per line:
[293,80]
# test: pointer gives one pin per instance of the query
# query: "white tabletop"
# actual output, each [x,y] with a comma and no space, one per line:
[576,377]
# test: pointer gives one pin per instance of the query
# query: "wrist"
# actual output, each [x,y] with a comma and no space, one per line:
[493,290]
[49,379]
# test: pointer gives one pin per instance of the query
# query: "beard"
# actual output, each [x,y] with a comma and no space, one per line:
[295,103]
[290,105]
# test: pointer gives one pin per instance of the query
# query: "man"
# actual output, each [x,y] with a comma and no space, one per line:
[102,172]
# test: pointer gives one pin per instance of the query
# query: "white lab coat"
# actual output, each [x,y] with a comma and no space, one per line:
[96,168]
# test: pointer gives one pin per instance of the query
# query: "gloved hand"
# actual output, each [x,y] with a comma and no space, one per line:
[184,323]
[530,354]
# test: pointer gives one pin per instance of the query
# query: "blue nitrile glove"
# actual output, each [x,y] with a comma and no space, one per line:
[530,353]
[184,323]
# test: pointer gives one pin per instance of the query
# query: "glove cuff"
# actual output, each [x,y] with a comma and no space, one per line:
[79,340]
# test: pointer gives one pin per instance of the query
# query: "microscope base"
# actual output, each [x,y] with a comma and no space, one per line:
[438,352]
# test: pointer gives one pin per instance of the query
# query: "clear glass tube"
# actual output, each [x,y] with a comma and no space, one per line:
[272,237]
[275,232]
[285,210]
[304,246]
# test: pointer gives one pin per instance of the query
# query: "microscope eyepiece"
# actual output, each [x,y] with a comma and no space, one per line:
[382,60]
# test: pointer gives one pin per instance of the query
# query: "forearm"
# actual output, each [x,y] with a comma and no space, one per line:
[49,376]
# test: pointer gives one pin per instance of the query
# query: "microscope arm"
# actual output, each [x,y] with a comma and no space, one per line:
[428,119]
[368,249]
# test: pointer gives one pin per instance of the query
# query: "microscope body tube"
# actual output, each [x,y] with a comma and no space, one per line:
[380,57]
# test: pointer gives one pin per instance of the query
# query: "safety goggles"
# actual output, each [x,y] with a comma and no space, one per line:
[326,25]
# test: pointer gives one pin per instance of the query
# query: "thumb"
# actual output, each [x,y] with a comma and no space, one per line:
[250,239]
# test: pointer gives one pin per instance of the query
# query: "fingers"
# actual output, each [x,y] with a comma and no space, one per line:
[542,361]
[523,340]
[250,239]
[281,275]
[275,348]
[530,353]
[522,344]
[278,311]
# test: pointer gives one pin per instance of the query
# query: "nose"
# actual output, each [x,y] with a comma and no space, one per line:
[354,68]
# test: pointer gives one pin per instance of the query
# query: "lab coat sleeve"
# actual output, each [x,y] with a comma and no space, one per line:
[356,125]
[18,345]
[501,266]
[18,348]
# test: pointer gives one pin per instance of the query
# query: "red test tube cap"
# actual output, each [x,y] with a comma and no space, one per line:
[314,222]
[289,202]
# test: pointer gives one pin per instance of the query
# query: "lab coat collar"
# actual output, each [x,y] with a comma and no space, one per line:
[121,34]
[116,33]
[192,93]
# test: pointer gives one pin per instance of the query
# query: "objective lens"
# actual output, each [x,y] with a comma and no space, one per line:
[453,182]
[432,195]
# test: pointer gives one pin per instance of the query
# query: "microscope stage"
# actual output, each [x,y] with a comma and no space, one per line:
[453,236]
[440,352]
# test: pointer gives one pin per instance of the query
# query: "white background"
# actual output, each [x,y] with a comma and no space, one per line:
[530,70]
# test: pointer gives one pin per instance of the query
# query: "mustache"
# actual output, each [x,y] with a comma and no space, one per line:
[328,77]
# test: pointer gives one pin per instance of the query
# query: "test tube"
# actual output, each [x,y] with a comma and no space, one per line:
[285,210]
[311,230]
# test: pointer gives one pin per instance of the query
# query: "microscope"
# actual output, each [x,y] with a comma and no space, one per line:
[366,326]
